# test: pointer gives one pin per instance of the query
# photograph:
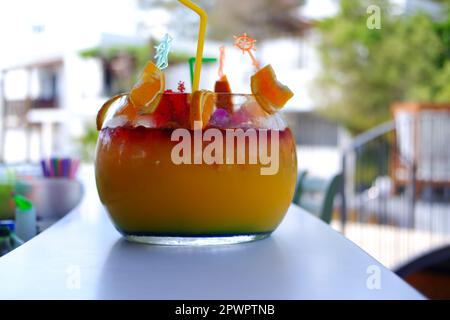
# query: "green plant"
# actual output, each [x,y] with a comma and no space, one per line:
[365,71]
[372,161]
[140,53]
[263,19]
[87,142]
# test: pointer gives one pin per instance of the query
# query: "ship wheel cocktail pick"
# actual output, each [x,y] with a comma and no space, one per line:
[247,44]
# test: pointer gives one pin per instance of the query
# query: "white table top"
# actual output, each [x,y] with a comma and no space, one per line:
[84,257]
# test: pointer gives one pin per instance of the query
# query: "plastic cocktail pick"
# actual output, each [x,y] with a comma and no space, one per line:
[247,44]
[23,203]
[162,52]
[221,61]
[201,40]
[222,87]
[192,65]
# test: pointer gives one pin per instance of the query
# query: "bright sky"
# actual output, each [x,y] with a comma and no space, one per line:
[317,9]
[68,24]
[74,16]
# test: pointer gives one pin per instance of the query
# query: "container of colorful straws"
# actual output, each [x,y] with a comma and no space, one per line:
[58,191]
[60,167]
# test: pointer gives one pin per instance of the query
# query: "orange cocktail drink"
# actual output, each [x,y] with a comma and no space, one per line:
[234,178]
[200,168]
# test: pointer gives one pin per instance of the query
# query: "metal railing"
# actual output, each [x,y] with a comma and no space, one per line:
[396,189]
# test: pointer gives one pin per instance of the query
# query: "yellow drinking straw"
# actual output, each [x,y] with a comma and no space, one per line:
[201,40]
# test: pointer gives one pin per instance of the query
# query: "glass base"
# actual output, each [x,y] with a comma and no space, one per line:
[197,241]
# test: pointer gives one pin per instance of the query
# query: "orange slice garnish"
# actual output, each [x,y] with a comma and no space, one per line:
[111,108]
[202,107]
[129,111]
[146,94]
[270,94]
[224,100]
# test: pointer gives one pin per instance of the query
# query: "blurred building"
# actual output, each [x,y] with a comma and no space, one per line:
[48,91]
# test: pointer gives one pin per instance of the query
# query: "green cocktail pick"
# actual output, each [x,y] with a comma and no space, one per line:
[23,203]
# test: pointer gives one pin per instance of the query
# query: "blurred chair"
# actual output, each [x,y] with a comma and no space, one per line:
[317,195]
[429,273]
[421,145]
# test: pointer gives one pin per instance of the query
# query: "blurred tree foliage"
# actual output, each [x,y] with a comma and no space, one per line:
[364,71]
[123,64]
[262,19]
[87,142]
[141,54]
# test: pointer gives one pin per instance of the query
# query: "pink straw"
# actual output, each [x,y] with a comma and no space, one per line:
[74,168]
